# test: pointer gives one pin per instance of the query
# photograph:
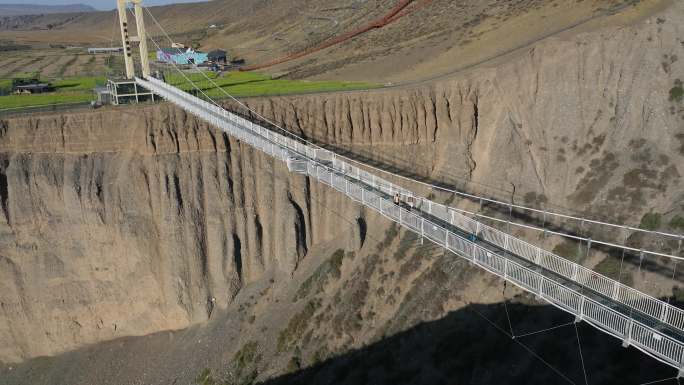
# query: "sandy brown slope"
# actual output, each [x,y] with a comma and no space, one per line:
[433,39]
[583,123]
[117,225]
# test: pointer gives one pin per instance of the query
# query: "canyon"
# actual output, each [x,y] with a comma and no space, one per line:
[125,232]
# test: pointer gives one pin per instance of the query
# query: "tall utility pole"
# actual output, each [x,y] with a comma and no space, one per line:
[126,38]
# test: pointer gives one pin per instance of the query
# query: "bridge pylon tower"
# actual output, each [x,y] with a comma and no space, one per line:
[125,90]
[126,38]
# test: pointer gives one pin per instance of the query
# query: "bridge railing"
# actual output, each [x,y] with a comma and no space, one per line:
[601,284]
[601,316]
[359,186]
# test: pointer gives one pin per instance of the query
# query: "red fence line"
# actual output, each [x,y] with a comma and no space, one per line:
[393,15]
[406,11]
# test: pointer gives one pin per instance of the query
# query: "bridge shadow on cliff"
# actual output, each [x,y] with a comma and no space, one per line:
[473,346]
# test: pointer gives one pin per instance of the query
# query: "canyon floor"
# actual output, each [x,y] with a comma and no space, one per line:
[138,245]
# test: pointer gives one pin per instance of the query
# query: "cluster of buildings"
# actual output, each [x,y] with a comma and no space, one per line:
[180,55]
[125,91]
[177,54]
[189,56]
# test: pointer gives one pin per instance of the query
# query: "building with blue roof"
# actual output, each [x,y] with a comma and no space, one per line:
[180,56]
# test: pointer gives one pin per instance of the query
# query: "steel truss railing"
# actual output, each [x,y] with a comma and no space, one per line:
[428,220]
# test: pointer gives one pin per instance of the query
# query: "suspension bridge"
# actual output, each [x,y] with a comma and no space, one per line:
[653,326]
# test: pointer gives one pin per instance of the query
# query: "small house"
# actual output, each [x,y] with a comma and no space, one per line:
[30,86]
[179,56]
[218,56]
[103,50]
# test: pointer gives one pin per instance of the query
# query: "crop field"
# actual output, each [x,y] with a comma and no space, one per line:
[75,73]
[238,84]
[52,63]
[245,84]
[82,83]
[68,90]
[19,101]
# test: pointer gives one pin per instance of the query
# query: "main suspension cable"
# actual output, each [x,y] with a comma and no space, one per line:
[510,205]
[456,192]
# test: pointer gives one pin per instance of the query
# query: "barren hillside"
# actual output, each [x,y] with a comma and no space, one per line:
[140,246]
[431,38]
[33,9]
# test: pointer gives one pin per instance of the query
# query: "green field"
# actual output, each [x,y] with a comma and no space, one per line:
[84,83]
[5,86]
[181,80]
[70,90]
[19,101]
[238,84]
[289,87]
[244,84]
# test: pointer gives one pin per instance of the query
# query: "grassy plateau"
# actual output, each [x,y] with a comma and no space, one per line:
[69,90]
[238,84]
[244,84]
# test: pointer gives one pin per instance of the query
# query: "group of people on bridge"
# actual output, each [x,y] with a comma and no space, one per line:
[410,202]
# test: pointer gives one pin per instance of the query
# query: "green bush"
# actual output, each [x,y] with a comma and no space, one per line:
[610,267]
[677,223]
[297,325]
[248,379]
[5,86]
[650,221]
[677,92]
[320,355]
[678,294]
[247,355]
[294,364]
[405,243]
[390,234]
[321,277]
[205,378]
[567,249]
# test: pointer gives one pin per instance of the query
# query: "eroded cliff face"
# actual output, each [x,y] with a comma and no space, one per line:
[586,123]
[127,222]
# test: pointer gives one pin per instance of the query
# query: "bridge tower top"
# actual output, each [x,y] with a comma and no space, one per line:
[126,39]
